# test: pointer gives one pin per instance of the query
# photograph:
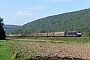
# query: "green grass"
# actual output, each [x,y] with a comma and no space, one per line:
[65,40]
[70,40]
[5,53]
[79,40]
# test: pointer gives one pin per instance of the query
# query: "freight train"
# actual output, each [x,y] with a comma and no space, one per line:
[51,34]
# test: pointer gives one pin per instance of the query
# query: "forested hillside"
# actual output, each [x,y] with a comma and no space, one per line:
[71,21]
[9,28]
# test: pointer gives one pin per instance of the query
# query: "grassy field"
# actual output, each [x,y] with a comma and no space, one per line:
[51,47]
[5,53]
[41,48]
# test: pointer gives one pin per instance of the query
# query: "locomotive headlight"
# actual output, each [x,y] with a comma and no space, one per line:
[79,34]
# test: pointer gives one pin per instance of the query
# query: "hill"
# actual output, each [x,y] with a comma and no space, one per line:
[77,20]
[9,28]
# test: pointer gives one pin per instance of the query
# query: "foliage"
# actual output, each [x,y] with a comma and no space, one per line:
[21,30]
[2,32]
[9,28]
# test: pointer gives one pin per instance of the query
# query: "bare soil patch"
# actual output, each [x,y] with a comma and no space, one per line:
[45,50]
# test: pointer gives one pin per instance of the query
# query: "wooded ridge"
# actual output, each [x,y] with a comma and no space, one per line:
[71,21]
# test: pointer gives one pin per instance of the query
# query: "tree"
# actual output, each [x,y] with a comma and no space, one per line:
[42,30]
[2,32]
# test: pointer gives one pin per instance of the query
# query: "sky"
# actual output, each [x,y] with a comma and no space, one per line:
[20,12]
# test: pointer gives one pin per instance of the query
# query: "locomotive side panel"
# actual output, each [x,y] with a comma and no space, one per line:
[73,34]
